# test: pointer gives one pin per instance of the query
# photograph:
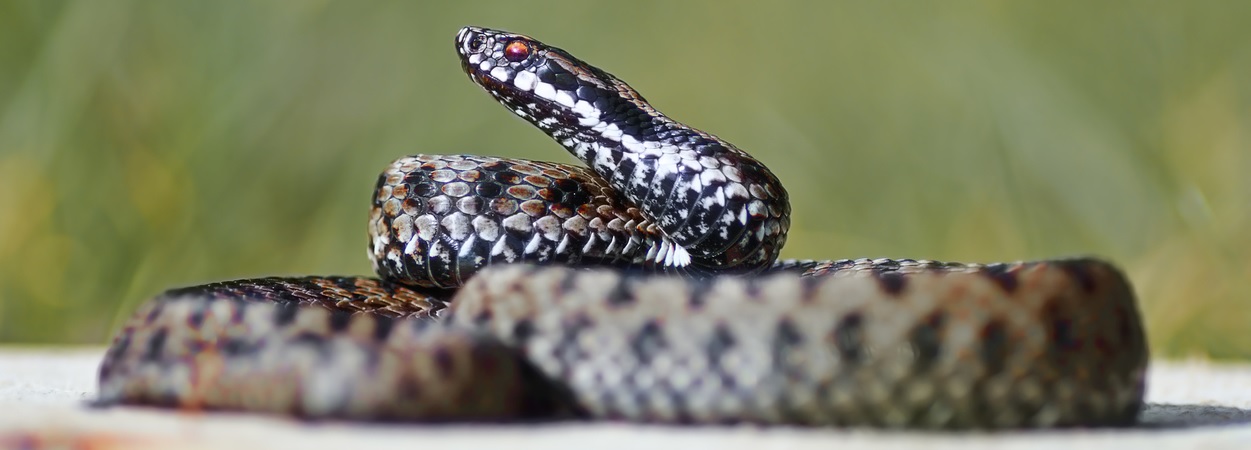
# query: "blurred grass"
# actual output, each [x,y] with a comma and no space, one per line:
[148,144]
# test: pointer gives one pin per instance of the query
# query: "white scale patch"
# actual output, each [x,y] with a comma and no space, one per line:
[612,247]
[396,258]
[562,247]
[533,245]
[499,248]
[669,253]
[545,90]
[590,243]
[665,168]
[525,80]
[500,73]
[604,158]
[678,257]
[692,164]
[632,244]
[486,228]
[585,109]
[631,143]
[411,247]
[612,132]
[466,247]
[711,177]
[565,98]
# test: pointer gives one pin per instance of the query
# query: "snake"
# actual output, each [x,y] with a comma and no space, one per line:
[644,286]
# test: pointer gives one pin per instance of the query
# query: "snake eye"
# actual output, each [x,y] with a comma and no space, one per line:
[516,51]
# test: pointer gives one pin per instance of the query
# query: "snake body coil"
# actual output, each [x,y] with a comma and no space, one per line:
[645,288]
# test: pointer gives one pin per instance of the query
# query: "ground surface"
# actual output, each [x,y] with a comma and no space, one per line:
[43,393]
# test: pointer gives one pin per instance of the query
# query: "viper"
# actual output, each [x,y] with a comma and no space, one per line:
[643,287]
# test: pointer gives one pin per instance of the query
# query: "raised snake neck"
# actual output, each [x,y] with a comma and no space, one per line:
[931,344]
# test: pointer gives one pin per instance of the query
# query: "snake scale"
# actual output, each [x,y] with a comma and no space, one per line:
[645,287]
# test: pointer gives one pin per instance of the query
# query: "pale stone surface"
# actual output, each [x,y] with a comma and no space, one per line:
[43,393]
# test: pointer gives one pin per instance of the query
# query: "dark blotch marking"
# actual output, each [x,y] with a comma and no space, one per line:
[722,341]
[892,282]
[994,346]
[563,81]
[444,361]
[284,313]
[119,347]
[1080,271]
[550,195]
[345,283]
[494,166]
[382,327]
[568,348]
[1000,275]
[236,312]
[626,167]
[196,319]
[849,338]
[752,288]
[414,177]
[621,295]
[236,347]
[523,330]
[587,93]
[566,185]
[310,338]
[424,190]
[576,198]
[339,321]
[156,345]
[1062,333]
[154,313]
[785,337]
[808,287]
[509,178]
[566,283]
[926,340]
[700,289]
[648,342]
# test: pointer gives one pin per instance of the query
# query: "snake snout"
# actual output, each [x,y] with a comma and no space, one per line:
[469,40]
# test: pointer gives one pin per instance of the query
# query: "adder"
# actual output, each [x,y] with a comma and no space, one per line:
[644,287]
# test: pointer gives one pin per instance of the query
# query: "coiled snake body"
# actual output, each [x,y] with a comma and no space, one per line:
[643,288]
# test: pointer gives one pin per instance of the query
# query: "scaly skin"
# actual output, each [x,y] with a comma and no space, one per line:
[645,288]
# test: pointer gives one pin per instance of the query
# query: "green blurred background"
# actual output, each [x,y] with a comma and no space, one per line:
[149,144]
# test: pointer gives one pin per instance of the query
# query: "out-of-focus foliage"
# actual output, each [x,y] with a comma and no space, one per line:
[149,144]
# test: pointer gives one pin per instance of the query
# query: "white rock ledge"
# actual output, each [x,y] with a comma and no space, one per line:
[43,393]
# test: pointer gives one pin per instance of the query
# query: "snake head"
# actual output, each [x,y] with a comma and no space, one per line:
[541,83]
[718,208]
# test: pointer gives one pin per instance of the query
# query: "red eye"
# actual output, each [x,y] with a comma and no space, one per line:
[516,51]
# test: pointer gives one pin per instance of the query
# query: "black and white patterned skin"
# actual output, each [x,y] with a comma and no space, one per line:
[720,210]
[437,219]
[644,288]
